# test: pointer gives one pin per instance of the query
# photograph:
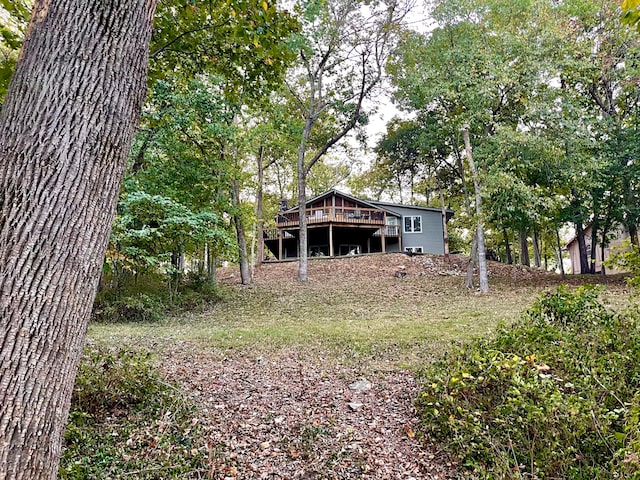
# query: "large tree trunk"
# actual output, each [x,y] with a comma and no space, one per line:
[482,250]
[65,131]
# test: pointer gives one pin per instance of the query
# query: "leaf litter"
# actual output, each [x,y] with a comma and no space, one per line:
[291,416]
[300,413]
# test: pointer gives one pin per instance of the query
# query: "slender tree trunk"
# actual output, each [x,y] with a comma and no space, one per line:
[582,248]
[243,257]
[302,202]
[259,208]
[445,230]
[211,266]
[630,206]
[66,129]
[138,161]
[524,249]
[595,228]
[507,246]
[482,250]
[633,233]
[560,262]
[537,261]
[472,261]
[302,236]
[578,219]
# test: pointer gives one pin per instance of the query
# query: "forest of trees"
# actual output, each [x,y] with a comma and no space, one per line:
[249,104]
[520,115]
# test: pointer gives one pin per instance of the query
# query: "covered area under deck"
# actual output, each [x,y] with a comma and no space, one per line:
[337,225]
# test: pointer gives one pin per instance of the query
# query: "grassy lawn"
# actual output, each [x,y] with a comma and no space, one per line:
[384,318]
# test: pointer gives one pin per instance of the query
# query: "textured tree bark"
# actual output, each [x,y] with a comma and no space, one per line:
[65,131]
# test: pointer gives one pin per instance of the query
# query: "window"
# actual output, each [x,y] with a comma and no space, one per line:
[413,224]
[413,249]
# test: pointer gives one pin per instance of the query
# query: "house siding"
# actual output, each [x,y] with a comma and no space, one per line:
[431,239]
[339,224]
[621,234]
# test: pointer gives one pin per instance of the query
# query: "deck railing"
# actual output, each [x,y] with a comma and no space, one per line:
[274,234]
[367,216]
[389,231]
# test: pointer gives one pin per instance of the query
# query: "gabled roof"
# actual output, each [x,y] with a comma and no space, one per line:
[332,192]
[391,206]
[387,206]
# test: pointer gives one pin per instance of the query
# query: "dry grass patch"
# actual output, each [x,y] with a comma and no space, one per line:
[351,308]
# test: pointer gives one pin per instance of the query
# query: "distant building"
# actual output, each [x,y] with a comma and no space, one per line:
[618,239]
[339,224]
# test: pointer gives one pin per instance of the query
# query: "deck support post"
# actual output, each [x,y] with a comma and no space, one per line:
[331,253]
[280,235]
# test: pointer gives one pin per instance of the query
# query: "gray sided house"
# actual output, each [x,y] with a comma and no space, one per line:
[339,224]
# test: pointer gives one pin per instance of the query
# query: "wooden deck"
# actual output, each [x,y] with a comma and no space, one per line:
[390,231]
[342,215]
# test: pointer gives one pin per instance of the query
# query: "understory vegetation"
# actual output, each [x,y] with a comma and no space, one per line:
[151,297]
[554,395]
[125,421]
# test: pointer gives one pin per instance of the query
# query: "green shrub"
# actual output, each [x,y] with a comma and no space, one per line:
[125,422]
[546,398]
[149,299]
[136,308]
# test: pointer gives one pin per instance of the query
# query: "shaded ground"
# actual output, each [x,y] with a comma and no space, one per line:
[273,365]
[287,417]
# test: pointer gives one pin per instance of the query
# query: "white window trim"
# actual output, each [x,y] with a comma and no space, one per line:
[414,249]
[404,224]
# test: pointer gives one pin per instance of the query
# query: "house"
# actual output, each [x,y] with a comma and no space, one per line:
[619,236]
[339,224]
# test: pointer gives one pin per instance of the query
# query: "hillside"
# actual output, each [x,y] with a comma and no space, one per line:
[316,380]
[388,265]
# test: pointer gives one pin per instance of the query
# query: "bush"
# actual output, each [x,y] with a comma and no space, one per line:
[135,308]
[149,300]
[547,398]
[126,422]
